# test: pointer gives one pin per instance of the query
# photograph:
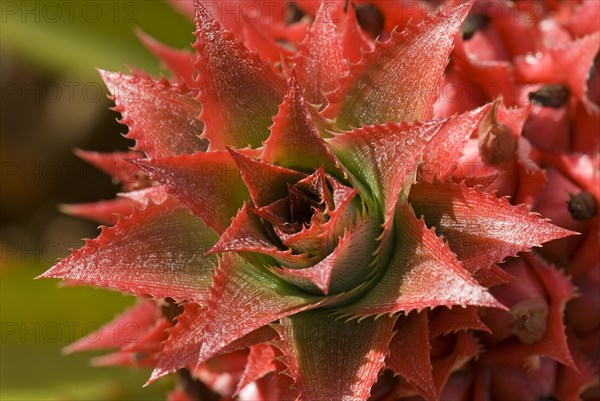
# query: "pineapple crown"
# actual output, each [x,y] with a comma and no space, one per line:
[303,209]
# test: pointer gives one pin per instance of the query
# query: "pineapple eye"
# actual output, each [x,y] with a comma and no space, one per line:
[497,145]
[293,13]
[551,95]
[582,206]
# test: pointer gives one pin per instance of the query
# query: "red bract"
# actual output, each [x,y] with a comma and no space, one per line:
[309,215]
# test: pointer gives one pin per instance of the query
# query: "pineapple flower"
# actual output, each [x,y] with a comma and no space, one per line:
[526,55]
[297,223]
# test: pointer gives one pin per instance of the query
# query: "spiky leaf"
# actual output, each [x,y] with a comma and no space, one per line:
[239,93]
[399,80]
[157,251]
[419,257]
[208,183]
[316,349]
[161,117]
[479,227]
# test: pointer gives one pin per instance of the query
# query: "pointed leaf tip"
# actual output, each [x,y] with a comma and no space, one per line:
[265,182]
[441,156]
[420,257]
[399,80]
[182,347]
[115,164]
[208,183]
[354,39]
[143,254]
[245,298]
[479,227]
[179,62]
[295,141]
[164,123]
[320,62]
[239,93]
[104,212]
[142,316]
[409,352]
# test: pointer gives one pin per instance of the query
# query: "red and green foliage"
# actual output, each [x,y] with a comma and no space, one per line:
[312,213]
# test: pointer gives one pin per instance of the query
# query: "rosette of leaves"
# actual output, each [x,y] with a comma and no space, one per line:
[316,236]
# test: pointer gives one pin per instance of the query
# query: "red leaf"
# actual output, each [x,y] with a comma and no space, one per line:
[179,62]
[344,268]
[295,141]
[115,164]
[572,383]
[446,321]
[385,158]
[277,213]
[292,33]
[247,234]
[104,212]
[584,20]
[143,351]
[445,148]
[239,92]
[157,251]
[155,193]
[317,239]
[568,64]
[126,328]
[420,257]
[585,123]
[508,383]
[480,228]
[152,340]
[493,78]
[465,349]
[316,184]
[123,358]
[406,69]
[409,352]
[513,118]
[261,361]
[320,238]
[319,61]
[558,291]
[257,39]
[266,182]
[208,183]
[311,7]
[161,117]
[330,359]
[354,40]
[182,347]
[398,14]
[492,276]
[273,387]
[233,14]
[243,299]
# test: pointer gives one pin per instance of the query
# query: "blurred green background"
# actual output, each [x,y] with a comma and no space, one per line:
[52,102]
